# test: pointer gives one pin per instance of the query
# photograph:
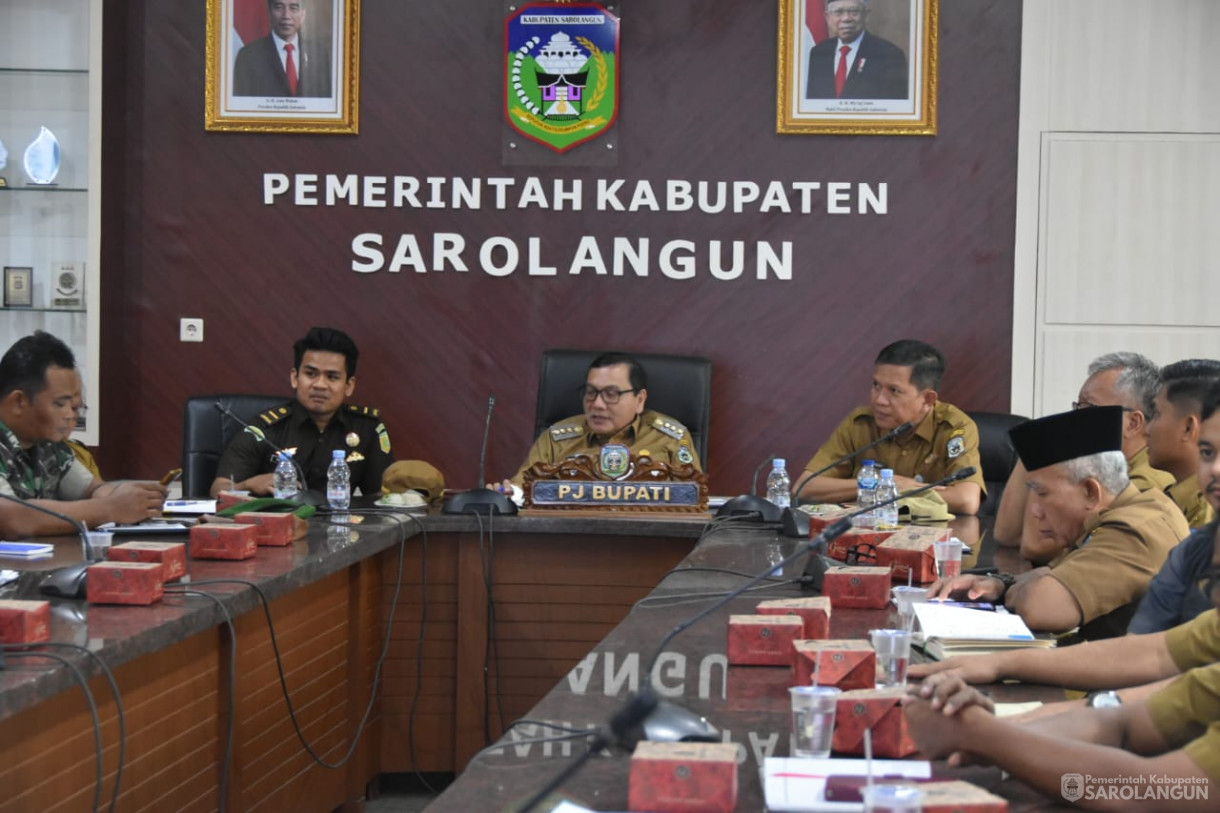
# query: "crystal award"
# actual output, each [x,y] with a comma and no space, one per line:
[42,157]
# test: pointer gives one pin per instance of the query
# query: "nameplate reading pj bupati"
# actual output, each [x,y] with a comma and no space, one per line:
[585,494]
[616,482]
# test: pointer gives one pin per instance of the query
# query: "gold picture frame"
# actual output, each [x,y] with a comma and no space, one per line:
[245,92]
[863,98]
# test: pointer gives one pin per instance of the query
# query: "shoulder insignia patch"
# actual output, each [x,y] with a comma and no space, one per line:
[564,431]
[684,455]
[274,415]
[957,444]
[372,412]
[383,438]
[669,427]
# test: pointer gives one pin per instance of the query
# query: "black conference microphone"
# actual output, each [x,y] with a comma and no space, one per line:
[261,436]
[751,505]
[815,571]
[63,582]
[481,497]
[796,522]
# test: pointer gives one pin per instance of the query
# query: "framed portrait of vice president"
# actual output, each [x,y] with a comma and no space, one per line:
[857,67]
[287,66]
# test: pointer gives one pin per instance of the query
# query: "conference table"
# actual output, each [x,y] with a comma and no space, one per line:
[427,634]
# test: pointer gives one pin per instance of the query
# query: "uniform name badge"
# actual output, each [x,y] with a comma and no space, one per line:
[615,459]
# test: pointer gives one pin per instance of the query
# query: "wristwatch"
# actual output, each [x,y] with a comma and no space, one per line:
[1103,700]
[1006,579]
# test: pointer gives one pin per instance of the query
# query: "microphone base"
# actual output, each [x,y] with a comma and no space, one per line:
[478,499]
[748,504]
[795,523]
[66,582]
[815,573]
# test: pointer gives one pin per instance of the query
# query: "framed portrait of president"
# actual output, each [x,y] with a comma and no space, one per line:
[283,66]
[857,67]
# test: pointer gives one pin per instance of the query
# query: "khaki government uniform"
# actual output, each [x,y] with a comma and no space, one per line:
[666,441]
[1187,711]
[1187,496]
[1143,476]
[1108,569]
[945,441]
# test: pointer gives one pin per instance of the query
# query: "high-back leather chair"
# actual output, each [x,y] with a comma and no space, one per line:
[206,431]
[996,453]
[679,386]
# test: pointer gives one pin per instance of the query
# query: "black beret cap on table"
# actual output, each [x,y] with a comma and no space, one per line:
[1068,435]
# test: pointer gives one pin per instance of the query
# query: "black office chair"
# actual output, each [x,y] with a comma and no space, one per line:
[206,431]
[996,454]
[679,386]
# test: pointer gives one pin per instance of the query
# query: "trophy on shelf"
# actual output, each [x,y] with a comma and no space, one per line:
[68,280]
[42,158]
[3,164]
[18,287]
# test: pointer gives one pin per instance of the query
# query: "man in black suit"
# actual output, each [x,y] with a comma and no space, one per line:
[852,63]
[277,65]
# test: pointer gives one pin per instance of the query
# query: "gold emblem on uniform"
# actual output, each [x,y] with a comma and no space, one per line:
[957,445]
[354,457]
[353,439]
[615,458]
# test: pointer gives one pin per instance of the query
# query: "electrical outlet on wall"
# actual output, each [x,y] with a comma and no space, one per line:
[190,330]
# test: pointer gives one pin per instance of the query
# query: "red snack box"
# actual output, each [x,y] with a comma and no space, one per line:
[845,664]
[878,709]
[227,499]
[25,622]
[681,777]
[822,515]
[911,549]
[274,529]
[956,796]
[815,612]
[224,541]
[838,548]
[124,583]
[763,640]
[170,555]
[858,587]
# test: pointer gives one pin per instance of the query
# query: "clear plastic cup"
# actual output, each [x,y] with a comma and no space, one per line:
[813,720]
[99,544]
[948,558]
[905,599]
[893,655]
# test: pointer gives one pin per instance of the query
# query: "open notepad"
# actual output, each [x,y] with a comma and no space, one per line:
[950,631]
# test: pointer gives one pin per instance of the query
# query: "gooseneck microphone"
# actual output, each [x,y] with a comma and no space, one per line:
[751,506]
[63,582]
[261,437]
[796,522]
[480,497]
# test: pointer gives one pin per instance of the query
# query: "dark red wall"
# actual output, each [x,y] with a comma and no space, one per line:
[186,234]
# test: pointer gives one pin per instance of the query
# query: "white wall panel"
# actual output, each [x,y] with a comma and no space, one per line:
[1131,65]
[1131,230]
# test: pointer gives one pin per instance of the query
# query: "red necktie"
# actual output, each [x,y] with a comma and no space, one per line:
[840,72]
[291,68]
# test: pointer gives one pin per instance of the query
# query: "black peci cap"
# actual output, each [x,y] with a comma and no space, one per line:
[1068,435]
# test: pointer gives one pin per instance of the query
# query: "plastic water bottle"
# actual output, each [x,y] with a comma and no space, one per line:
[778,485]
[284,485]
[338,482]
[887,489]
[866,494]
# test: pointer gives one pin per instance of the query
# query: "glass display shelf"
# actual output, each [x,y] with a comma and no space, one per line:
[64,71]
[43,310]
[39,188]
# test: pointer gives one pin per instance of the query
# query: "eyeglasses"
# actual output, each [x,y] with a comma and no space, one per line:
[861,552]
[610,395]
[1077,405]
[855,11]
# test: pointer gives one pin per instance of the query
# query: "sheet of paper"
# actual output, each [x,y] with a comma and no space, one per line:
[800,784]
[959,623]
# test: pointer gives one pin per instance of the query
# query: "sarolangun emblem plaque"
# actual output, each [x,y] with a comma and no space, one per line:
[561,72]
